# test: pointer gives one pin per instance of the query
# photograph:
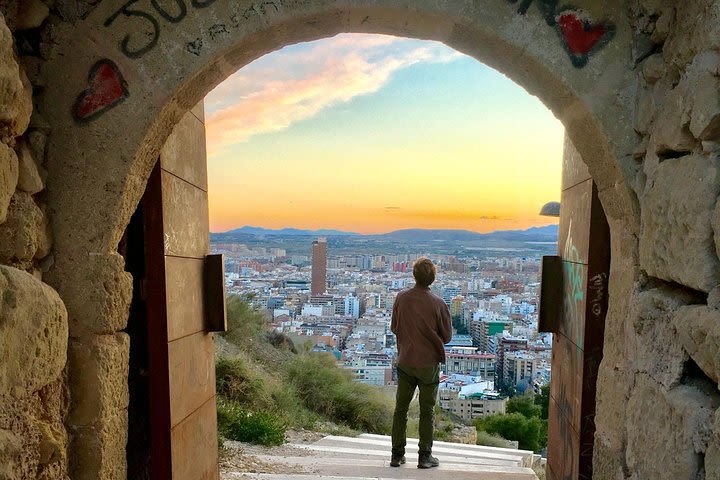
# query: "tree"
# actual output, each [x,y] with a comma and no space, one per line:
[543,400]
[505,388]
[514,426]
[459,327]
[524,405]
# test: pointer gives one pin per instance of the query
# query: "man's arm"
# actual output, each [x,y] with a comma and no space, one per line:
[395,315]
[445,328]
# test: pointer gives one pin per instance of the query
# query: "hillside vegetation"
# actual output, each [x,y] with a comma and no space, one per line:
[265,386]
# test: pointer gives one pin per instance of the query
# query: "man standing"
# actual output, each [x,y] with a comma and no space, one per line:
[421,322]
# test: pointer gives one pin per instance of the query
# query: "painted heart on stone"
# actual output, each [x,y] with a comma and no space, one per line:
[106,88]
[581,37]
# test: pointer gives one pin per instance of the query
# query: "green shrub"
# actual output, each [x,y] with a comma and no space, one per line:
[525,405]
[330,391]
[484,438]
[236,423]
[514,426]
[235,381]
[244,323]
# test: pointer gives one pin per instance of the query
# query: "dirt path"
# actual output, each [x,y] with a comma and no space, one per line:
[241,457]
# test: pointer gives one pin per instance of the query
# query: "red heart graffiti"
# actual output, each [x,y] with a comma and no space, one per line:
[106,88]
[581,37]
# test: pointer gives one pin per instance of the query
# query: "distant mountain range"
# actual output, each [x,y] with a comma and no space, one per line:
[546,233]
[248,230]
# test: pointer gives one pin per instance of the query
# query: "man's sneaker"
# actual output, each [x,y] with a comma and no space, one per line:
[397,460]
[427,461]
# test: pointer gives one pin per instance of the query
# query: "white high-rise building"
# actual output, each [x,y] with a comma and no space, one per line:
[352,306]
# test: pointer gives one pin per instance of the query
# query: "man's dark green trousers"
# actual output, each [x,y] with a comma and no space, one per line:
[426,379]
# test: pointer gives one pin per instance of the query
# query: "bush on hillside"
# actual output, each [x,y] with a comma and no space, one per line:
[331,391]
[235,381]
[514,426]
[489,440]
[236,423]
[244,323]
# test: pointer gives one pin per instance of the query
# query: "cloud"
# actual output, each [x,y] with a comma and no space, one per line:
[300,81]
[392,208]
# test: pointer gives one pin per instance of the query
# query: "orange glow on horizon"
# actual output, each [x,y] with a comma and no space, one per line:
[342,139]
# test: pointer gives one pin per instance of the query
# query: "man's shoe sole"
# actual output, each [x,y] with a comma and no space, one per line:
[428,465]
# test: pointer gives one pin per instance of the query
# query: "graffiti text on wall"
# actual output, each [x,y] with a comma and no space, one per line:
[596,285]
[146,19]
[581,37]
[106,88]
[151,17]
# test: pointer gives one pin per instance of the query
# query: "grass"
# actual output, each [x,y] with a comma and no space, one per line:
[237,423]
[489,440]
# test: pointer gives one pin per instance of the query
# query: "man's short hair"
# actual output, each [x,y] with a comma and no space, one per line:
[424,272]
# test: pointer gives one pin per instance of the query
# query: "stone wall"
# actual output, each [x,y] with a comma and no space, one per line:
[33,319]
[658,388]
[657,413]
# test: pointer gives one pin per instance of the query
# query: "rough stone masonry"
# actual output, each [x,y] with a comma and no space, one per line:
[65,296]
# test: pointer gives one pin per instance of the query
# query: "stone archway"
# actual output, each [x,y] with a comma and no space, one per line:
[122,77]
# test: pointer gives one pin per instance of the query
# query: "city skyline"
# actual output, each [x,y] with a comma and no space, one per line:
[371,133]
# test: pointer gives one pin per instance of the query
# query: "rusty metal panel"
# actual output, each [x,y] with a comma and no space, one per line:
[584,245]
[160,456]
[551,294]
[215,312]
[574,302]
[194,445]
[574,170]
[563,458]
[191,361]
[184,152]
[186,227]
[567,381]
[185,303]
[574,229]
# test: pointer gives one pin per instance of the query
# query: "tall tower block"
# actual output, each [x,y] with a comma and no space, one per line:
[319,267]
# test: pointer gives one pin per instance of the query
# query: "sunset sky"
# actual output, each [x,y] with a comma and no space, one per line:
[372,133]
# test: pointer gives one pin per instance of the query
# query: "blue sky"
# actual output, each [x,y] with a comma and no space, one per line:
[372,133]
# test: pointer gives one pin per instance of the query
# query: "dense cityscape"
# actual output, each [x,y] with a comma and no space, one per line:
[341,303]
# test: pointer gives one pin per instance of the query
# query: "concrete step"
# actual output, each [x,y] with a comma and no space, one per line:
[457,446]
[358,451]
[472,451]
[527,458]
[386,473]
[368,457]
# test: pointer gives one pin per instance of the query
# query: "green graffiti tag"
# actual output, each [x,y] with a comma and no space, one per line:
[574,294]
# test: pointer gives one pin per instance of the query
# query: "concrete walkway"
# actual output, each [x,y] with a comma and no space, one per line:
[368,457]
